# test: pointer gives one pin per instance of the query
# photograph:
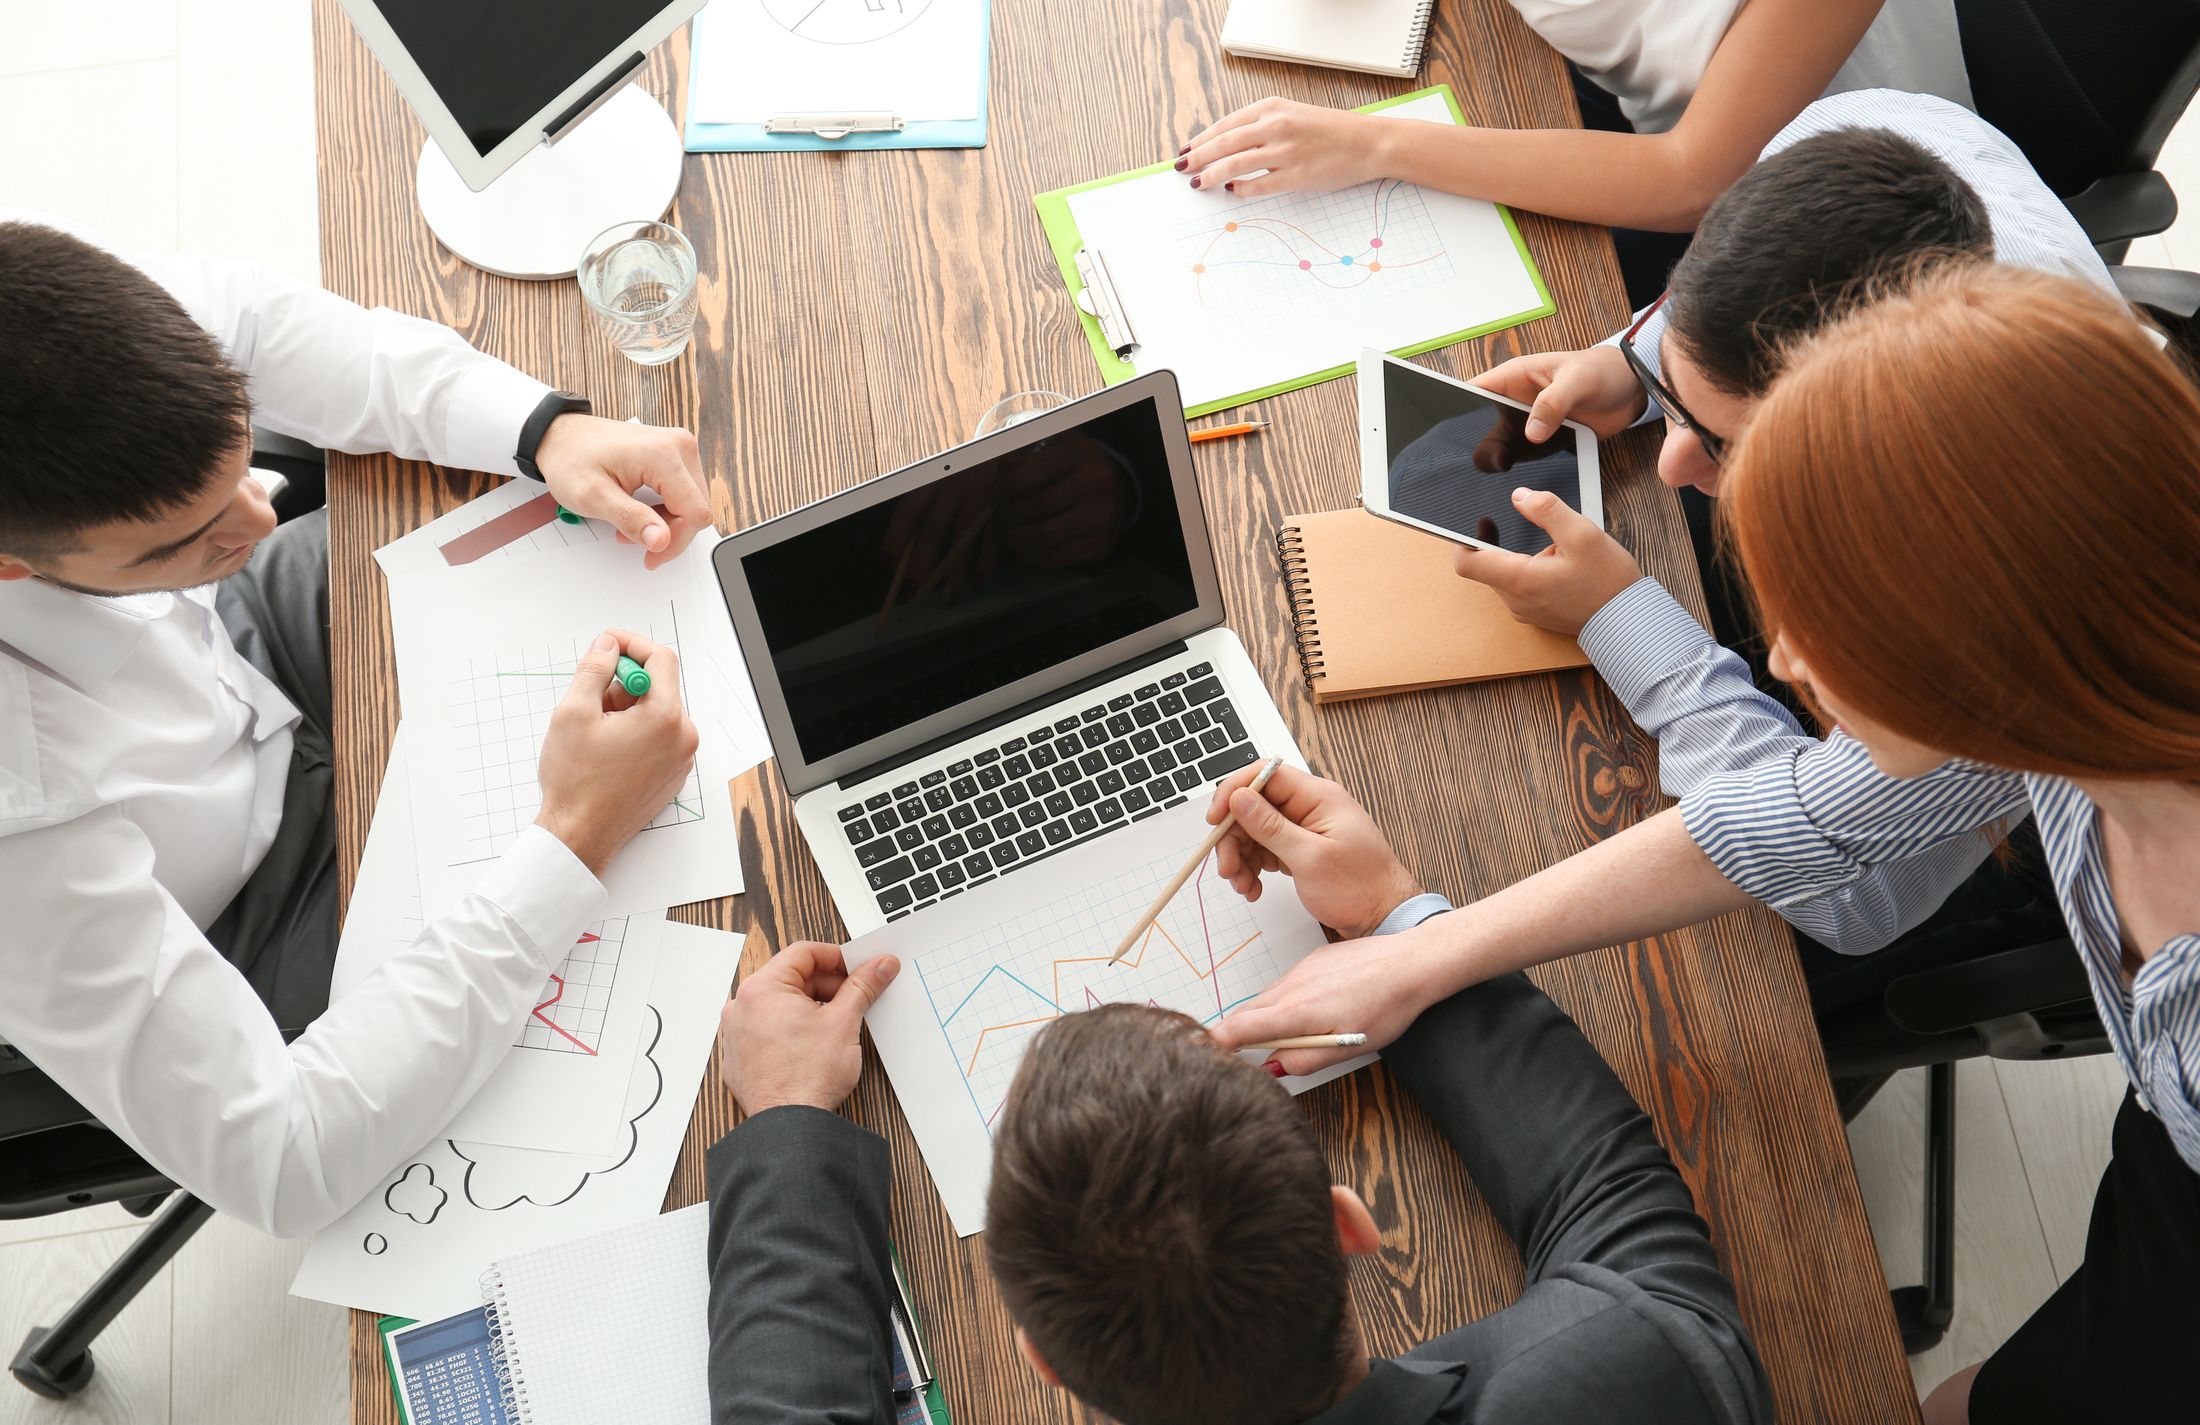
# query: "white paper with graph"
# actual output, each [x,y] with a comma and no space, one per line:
[983,972]
[563,1086]
[485,650]
[1237,295]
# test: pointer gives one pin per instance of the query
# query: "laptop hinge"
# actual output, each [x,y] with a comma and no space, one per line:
[1021,710]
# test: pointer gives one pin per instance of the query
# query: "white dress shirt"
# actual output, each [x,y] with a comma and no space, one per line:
[1651,55]
[142,767]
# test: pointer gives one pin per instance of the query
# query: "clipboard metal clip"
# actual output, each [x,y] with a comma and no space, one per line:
[1099,300]
[834,126]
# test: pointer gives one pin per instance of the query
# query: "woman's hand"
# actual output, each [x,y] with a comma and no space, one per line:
[1305,148]
[1372,987]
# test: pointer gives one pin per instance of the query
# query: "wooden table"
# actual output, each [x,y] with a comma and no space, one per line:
[859,311]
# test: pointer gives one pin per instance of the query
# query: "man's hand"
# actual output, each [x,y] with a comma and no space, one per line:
[1562,587]
[1371,987]
[1314,832]
[1306,148]
[594,466]
[611,761]
[793,1032]
[1594,387]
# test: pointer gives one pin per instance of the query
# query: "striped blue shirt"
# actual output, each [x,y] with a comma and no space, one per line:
[1800,825]
[1695,697]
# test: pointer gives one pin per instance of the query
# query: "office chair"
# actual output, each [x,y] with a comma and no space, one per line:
[2031,1002]
[2090,89]
[54,1157]
[303,468]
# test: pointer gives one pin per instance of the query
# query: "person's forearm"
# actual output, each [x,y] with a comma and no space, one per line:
[1620,180]
[1648,880]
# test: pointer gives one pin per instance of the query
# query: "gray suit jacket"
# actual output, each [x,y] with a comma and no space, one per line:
[1625,1317]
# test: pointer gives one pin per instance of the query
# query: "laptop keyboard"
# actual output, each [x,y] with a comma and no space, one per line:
[1059,784]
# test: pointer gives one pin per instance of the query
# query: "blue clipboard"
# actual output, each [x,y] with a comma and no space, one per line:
[753,138]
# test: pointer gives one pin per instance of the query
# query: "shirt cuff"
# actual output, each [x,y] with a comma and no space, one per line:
[546,891]
[1640,636]
[488,405]
[1412,912]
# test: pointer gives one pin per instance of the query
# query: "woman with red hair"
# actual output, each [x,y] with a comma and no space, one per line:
[1969,510]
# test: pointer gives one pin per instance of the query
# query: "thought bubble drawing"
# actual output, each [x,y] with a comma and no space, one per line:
[498,1178]
[375,1245]
[423,1200]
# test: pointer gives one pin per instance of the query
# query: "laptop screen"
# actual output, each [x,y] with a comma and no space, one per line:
[907,607]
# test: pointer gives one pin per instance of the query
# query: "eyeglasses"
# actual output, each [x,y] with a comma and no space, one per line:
[1714,446]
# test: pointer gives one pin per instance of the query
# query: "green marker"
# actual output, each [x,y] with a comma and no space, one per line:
[570,518]
[632,676]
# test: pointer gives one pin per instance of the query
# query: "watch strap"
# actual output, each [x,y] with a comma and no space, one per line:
[548,409]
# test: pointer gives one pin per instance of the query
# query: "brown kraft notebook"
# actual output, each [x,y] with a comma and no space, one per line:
[1376,608]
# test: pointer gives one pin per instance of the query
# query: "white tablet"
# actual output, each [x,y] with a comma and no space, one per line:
[1445,456]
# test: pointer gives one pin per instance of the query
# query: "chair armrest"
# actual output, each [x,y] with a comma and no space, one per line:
[2124,206]
[2163,290]
[1975,992]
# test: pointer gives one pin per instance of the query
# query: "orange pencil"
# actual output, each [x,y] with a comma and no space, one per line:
[1218,432]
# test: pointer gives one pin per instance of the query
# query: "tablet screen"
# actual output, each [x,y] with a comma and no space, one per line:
[1456,457]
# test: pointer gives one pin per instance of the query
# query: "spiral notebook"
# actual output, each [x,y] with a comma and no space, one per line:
[610,1329]
[1376,608]
[1377,36]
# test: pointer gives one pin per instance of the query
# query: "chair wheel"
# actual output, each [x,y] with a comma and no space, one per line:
[53,1383]
[1921,1325]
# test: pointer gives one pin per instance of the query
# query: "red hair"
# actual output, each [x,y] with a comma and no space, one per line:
[1972,507]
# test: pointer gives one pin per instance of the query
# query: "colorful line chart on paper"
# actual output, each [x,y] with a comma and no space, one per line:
[985,972]
[1245,295]
[1253,266]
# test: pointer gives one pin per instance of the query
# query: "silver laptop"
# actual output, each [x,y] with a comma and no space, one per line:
[1012,648]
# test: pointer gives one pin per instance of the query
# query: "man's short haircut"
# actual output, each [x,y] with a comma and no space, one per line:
[1160,1224]
[1777,252]
[114,403]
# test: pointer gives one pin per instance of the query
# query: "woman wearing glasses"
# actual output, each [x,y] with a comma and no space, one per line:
[1994,597]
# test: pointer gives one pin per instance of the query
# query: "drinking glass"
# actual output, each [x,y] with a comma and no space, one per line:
[1015,410]
[639,280]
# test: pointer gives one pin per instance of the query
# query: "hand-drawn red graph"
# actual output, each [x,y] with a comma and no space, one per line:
[569,1018]
[990,996]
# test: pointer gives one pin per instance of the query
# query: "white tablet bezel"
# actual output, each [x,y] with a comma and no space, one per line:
[1375,449]
[475,168]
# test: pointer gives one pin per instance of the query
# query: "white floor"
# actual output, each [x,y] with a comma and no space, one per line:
[188,124]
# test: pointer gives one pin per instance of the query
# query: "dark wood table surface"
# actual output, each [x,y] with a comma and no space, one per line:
[859,311]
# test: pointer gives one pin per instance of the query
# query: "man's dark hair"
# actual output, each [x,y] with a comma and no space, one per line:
[1777,252]
[114,404]
[1160,1224]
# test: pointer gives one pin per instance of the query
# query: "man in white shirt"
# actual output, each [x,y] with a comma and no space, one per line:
[165,841]
[1858,184]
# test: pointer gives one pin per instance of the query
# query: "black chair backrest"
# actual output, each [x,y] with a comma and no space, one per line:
[2087,88]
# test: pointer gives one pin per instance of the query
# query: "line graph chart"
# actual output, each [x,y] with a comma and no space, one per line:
[1257,264]
[1203,957]
[577,999]
[498,721]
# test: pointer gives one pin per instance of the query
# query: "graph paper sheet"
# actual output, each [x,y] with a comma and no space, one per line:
[417,1244]
[485,650]
[614,1328]
[1237,295]
[983,972]
[564,1083]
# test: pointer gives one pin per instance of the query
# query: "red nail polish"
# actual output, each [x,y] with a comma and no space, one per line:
[1229,187]
[1184,150]
[1274,1069]
[1195,183]
[1180,164]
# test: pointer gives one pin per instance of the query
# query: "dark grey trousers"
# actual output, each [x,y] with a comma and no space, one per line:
[281,928]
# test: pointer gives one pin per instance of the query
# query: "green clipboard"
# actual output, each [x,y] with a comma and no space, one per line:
[1066,242]
[389,1326]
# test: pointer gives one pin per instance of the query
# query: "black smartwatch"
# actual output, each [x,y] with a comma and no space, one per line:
[548,409]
